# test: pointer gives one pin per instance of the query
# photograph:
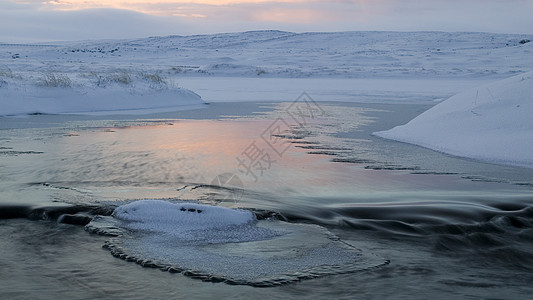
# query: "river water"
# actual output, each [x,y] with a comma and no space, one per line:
[425,224]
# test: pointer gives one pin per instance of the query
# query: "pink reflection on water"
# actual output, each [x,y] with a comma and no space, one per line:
[169,156]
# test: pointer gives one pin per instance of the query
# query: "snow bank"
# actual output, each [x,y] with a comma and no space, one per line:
[90,93]
[99,102]
[492,123]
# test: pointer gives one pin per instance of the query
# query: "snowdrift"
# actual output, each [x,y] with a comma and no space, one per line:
[492,123]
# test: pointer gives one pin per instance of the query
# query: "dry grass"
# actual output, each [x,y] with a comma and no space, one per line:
[51,79]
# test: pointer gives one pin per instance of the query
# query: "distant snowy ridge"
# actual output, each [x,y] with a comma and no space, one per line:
[118,92]
[492,123]
[291,55]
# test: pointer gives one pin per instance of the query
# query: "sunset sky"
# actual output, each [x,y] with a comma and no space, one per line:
[43,20]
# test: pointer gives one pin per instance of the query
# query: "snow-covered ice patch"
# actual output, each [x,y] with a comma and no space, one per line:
[191,223]
[492,123]
[220,244]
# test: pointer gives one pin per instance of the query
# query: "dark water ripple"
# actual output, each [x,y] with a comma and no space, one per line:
[493,233]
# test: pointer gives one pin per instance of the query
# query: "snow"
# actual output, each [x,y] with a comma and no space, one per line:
[90,93]
[359,90]
[491,123]
[158,214]
[191,223]
[125,76]
[289,55]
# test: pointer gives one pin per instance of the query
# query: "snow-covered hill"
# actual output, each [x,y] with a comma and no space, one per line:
[492,123]
[285,54]
[146,73]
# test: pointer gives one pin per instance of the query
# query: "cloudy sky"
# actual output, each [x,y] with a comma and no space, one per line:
[48,20]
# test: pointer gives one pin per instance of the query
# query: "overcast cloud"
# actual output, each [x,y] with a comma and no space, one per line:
[38,20]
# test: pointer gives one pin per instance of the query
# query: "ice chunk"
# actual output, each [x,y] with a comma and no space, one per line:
[230,245]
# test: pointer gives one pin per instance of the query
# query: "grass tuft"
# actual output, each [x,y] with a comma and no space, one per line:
[54,80]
